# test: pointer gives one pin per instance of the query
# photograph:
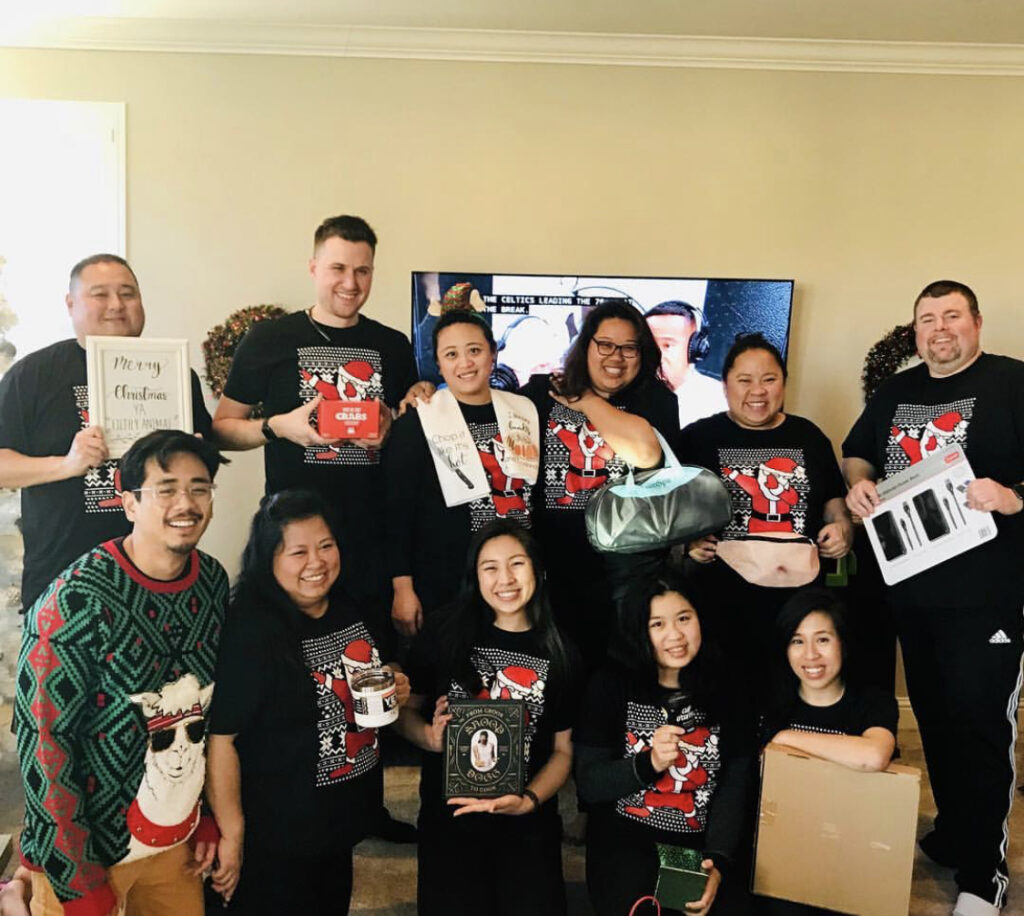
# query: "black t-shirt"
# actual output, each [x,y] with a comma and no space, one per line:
[575,462]
[288,362]
[426,539]
[982,409]
[44,403]
[778,479]
[310,775]
[699,801]
[575,459]
[512,666]
[853,713]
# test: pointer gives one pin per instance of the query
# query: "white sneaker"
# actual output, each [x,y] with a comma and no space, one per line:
[973,905]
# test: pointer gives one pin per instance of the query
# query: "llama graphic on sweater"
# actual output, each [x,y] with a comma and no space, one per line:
[165,811]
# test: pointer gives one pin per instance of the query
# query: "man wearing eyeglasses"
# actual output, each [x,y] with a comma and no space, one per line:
[70,492]
[115,678]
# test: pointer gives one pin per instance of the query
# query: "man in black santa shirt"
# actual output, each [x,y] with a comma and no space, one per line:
[330,351]
[959,623]
[70,488]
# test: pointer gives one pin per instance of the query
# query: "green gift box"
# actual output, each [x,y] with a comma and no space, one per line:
[681,879]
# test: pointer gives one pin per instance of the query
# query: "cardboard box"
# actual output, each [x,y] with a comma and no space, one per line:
[834,837]
[924,518]
[348,419]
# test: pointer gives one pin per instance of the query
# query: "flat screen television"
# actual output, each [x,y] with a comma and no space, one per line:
[536,317]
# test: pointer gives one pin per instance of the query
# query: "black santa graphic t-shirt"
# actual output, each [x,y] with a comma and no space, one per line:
[311,777]
[426,538]
[44,404]
[575,459]
[981,408]
[288,362]
[700,800]
[512,666]
[778,479]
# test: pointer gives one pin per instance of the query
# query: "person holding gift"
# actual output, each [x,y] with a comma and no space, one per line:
[497,641]
[664,754]
[293,780]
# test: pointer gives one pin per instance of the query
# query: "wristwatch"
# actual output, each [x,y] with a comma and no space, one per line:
[268,433]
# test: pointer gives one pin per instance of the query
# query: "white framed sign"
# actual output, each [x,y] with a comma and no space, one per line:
[137,385]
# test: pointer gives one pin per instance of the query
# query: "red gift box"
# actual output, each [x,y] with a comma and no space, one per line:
[348,419]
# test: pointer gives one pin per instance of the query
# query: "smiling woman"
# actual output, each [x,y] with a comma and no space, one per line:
[814,709]
[787,495]
[598,417]
[284,717]
[467,457]
[496,641]
[664,754]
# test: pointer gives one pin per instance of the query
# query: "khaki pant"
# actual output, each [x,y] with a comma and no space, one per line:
[154,886]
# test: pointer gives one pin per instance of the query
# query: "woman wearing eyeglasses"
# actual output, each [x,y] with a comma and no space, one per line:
[597,417]
[293,780]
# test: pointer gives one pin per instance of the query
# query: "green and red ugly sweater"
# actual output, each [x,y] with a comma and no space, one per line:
[114,679]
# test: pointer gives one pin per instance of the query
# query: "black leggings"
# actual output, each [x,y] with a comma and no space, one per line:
[273,884]
[502,866]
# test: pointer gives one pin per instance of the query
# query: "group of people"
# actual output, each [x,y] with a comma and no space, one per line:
[169,726]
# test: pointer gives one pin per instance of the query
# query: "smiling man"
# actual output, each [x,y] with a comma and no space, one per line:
[114,681]
[959,623]
[70,493]
[327,352]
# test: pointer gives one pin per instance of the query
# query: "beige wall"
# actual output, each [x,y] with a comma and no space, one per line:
[863,187]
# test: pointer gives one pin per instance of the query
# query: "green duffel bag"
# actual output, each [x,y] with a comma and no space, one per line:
[646,510]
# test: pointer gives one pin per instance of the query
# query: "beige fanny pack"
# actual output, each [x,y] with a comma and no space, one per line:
[782,560]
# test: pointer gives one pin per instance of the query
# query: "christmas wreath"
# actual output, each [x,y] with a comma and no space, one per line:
[222,341]
[887,356]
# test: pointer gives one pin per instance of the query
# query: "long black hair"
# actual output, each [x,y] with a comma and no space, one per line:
[785,683]
[463,623]
[257,591]
[575,375]
[635,653]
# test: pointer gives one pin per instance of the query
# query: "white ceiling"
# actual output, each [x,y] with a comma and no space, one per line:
[972,21]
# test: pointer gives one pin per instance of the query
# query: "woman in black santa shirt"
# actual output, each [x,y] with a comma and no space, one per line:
[293,780]
[497,641]
[664,754]
[459,460]
[597,417]
[787,499]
